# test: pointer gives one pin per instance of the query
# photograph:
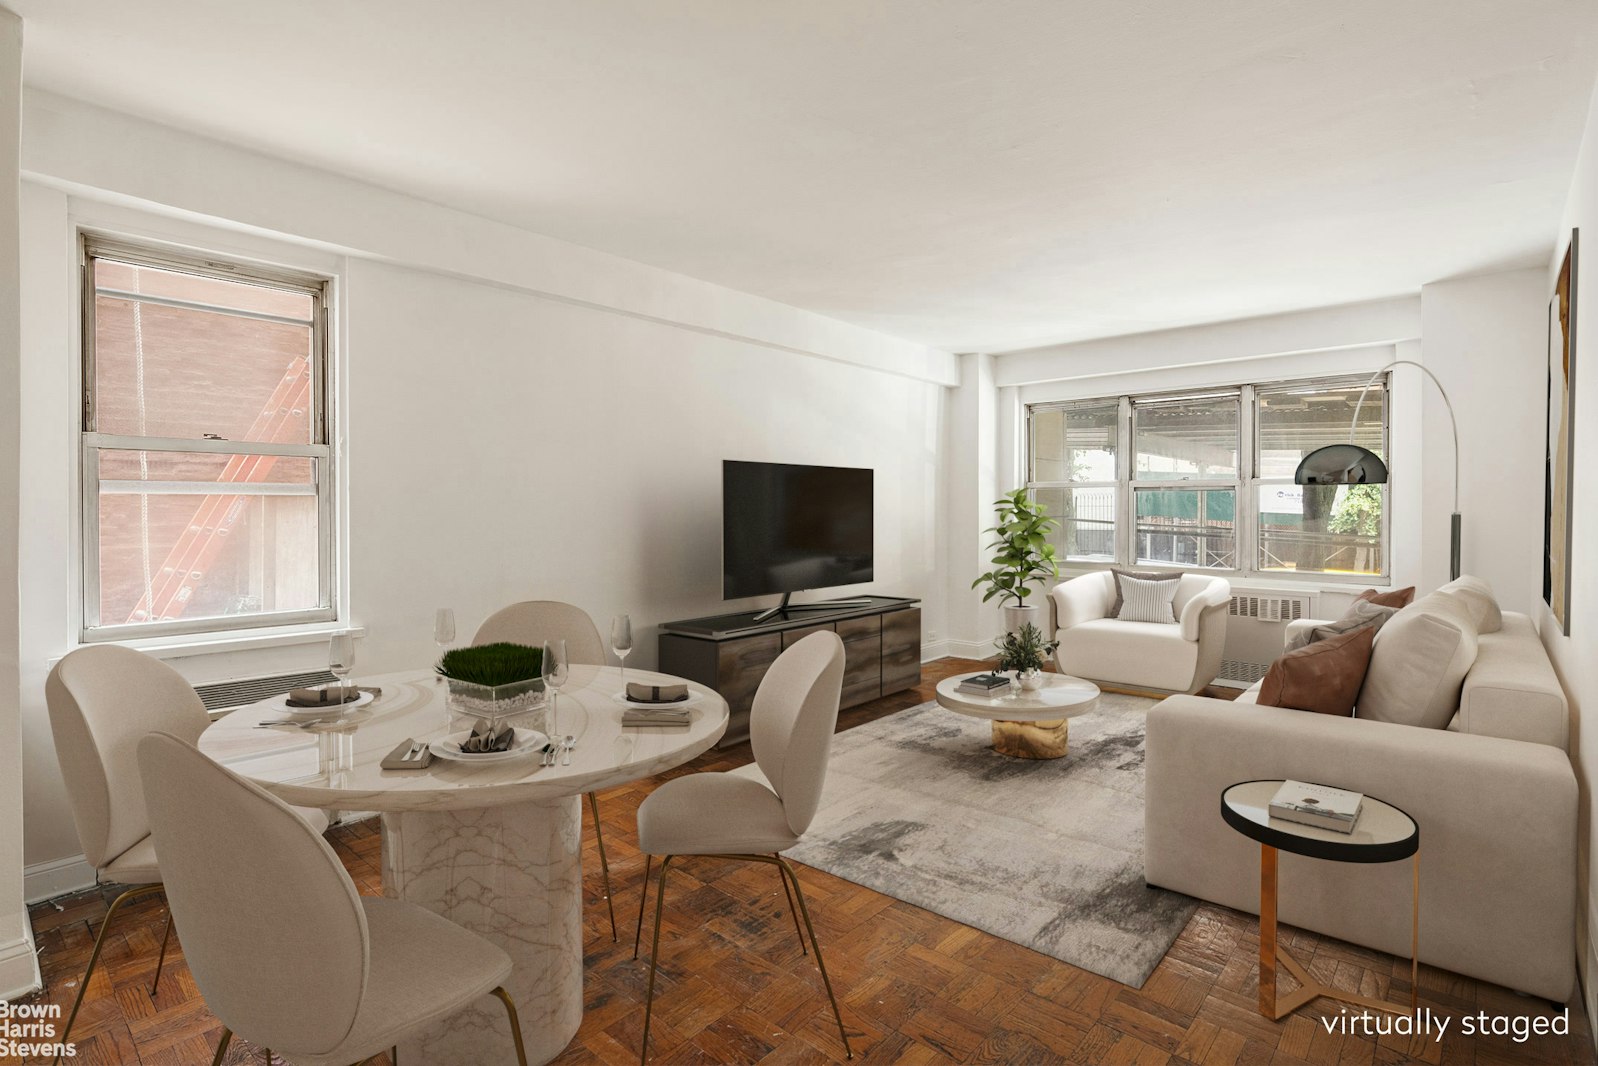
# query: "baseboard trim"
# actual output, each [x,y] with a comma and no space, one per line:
[963,649]
[47,880]
[19,967]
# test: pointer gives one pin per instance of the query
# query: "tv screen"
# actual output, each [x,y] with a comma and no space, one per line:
[785,528]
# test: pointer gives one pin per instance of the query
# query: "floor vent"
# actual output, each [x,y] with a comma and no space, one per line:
[1269,607]
[1241,673]
[225,695]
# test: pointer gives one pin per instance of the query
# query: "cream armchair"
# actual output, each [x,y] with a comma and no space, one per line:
[1183,657]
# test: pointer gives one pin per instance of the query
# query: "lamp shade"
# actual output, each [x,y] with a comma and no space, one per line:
[1341,464]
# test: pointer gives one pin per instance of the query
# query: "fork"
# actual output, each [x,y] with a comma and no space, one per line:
[549,754]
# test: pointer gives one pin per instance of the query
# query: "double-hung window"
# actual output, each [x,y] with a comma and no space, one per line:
[207,471]
[1204,479]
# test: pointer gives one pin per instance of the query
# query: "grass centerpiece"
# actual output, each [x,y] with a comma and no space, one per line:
[494,680]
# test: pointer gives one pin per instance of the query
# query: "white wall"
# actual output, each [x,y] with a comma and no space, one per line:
[19,972]
[503,440]
[1576,655]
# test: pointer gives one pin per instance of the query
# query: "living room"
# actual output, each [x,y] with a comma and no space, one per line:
[549,277]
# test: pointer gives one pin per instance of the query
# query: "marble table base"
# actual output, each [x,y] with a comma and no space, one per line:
[1031,740]
[512,874]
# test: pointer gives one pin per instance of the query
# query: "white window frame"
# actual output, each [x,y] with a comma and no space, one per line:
[318,286]
[1134,484]
[1246,486]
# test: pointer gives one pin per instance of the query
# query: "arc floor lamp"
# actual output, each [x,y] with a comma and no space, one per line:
[1349,464]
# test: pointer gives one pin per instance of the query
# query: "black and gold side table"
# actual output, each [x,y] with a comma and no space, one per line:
[1383,834]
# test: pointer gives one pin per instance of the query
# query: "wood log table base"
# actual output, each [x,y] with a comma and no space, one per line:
[1031,740]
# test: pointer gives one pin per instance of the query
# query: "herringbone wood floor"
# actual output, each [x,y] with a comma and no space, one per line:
[915,987]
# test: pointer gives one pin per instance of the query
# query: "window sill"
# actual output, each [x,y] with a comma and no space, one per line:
[181,646]
[1264,582]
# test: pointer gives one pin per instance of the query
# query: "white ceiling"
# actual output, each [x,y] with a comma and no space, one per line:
[973,175]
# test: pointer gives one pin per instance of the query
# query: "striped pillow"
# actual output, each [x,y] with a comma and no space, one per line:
[1148,599]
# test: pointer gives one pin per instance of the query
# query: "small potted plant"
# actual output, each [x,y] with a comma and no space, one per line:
[494,680]
[1025,652]
[1022,557]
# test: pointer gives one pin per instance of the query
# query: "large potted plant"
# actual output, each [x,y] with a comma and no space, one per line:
[1022,557]
[493,681]
[1027,653]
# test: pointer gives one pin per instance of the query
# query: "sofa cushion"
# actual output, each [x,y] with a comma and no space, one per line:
[1391,598]
[1148,599]
[1477,595]
[1138,654]
[1323,677]
[1362,615]
[1419,663]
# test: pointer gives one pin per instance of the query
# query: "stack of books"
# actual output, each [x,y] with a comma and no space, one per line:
[985,684]
[657,716]
[1322,806]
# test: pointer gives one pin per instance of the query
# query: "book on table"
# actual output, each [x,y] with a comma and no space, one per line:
[984,684]
[1321,806]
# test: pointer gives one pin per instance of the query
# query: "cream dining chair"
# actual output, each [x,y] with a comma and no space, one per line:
[532,622]
[102,699]
[283,949]
[732,817]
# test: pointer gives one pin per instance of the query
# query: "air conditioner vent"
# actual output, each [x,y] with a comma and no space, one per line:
[225,695]
[1269,607]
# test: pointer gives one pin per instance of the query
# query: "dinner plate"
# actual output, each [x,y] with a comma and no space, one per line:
[281,703]
[621,698]
[527,742]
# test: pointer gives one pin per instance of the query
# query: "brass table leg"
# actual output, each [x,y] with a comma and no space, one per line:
[1031,740]
[1276,1008]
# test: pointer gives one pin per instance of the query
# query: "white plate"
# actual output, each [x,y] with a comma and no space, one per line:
[448,747]
[281,703]
[621,698]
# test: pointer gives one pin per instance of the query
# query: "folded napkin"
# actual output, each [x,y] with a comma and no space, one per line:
[656,693]
[331,696]
[669,716]
[487,737]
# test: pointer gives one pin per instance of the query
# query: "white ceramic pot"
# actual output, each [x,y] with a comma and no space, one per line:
[1016,617]
[1029,680]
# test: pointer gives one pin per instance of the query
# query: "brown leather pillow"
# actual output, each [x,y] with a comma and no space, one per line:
[1392,598]
[1324,677]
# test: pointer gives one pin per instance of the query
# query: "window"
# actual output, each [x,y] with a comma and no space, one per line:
[207,473]
[1205,479]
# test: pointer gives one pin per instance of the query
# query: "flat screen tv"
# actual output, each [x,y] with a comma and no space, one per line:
[785,527]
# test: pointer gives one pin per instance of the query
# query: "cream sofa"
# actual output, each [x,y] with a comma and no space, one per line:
[1493,793]
[1146,655]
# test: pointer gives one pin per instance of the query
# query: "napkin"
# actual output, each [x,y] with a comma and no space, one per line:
[488,737]
[667,716]
[322,697]
[656,693]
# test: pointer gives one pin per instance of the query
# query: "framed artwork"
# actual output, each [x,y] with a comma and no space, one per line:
[1561,438]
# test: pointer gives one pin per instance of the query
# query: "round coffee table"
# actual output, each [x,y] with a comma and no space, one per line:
[1383,833]
[1026,725]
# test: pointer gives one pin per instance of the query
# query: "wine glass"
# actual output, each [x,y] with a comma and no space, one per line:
[556,670]
[341,659]
[443,635]
[621,642]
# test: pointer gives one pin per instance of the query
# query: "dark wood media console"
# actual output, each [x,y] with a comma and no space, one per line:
[730,653]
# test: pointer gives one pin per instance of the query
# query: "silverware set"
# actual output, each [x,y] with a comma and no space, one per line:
[561,751]
[418,749]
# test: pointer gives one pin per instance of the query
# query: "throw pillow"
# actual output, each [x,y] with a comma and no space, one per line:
[1138,575]
[1148,600]
[1362,614]
[1323,677]
[1391,598]
[1477,595]
[1420,663]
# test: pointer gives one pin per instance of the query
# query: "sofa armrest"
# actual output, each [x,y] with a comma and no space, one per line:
[1512,690]
[1301,625]
[1215,595]
[1081,599]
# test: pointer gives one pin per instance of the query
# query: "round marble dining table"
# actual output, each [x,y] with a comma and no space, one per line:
[495,848]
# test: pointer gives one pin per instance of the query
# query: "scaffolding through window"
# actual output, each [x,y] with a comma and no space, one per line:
[1205,479]
[207,471]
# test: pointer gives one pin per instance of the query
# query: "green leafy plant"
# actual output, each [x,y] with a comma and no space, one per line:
[492,665]
[1358,512]
[1022,552]
[1025,649]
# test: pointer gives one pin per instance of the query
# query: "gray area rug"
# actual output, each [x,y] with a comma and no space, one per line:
[1047,854]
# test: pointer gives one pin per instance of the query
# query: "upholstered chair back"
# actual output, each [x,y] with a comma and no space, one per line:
[532,622]
[792,720]
[102,700]
[272,927]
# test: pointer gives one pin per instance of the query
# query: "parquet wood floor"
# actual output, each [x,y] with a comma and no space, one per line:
[915,988]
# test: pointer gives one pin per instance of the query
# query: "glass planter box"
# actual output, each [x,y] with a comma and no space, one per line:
[493,702]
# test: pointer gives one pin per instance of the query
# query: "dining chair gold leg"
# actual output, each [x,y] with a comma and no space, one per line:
[643,898]
[654,961]
[792,909]
[604,865]
[94,956]
[161,960]
[221,1046]
[814,943]
[515,1025]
